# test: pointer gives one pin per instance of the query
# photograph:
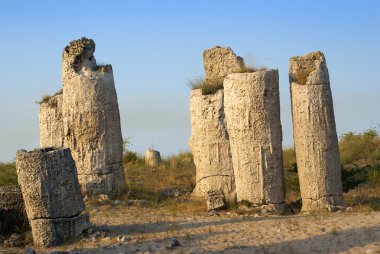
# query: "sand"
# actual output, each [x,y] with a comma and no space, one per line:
[149,230]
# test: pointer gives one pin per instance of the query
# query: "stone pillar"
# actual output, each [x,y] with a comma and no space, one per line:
[252,108]
[152,158]
[51,121]
[91,119]
[209,144]
[51,192]
[219,62]
[315,138]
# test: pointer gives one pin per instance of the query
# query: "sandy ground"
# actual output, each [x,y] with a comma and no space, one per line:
[149,230]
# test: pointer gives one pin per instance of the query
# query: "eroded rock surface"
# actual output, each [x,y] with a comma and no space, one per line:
[210,145]
[314,131]
[51,122]
[252,108]
[220,61]
[215,200]
[51,193]
[91,120]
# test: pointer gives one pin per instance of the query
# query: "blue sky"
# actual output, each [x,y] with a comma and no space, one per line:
[156,46]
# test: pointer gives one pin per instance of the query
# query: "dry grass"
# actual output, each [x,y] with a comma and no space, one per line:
[8,174]
[174,172]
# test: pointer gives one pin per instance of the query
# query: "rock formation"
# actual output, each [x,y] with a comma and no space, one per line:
[51,192]
[315,138]
[12,211]
[51,121]
[218,62]
[252,108]
[91,120]
[152,158]
[215,200]
[209,144]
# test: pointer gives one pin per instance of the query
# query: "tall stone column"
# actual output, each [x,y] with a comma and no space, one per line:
[52,196]
[51,121]
[315,138]
[252,108]
[209,138]
[210,145]
[91,119]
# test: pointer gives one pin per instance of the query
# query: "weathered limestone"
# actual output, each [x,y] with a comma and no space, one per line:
[252,108]
[215,200]
[51,192]
[152,158]
[51,122]
[12,211]
[218,62]
[209,144]
[91,119]
[314,131]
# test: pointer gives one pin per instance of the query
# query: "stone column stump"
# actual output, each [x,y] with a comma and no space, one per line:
[52,196]
[152,158]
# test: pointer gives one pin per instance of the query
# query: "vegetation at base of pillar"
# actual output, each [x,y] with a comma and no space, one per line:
[360,157]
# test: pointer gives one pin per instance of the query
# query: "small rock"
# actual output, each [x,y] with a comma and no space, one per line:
[103,197]
[349,209]
[15,240]
[30,251]
[263,211]
[172,244]
[122,238]
[212,213]
[116,202]
[215,200]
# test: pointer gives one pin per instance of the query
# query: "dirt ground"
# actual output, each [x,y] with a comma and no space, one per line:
[150,230]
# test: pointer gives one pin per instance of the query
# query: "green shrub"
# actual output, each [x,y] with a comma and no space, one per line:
[289,161]
[360,149]
[8,174]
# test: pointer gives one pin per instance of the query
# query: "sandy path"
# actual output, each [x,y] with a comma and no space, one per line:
[149,231]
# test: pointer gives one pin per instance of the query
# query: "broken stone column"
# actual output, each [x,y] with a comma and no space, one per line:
[209,144]
[91,119]
[152,158]
[52,196]
[219,62]
[51,121]
[252,108]
[315,138]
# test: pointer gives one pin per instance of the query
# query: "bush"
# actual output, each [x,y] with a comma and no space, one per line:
[8,174]
[360,149]
[131,157]
[290,162]
[209,88]
[174,172]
